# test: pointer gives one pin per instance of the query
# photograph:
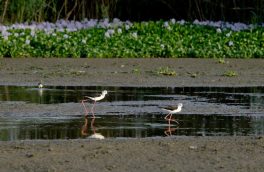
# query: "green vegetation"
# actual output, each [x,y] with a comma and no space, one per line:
[136,71]
[166,71]
[146,39]
[230,73]
[221,61]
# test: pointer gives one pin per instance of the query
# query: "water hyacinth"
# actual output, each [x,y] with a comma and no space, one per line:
[134,35]
[166,24]
[73,26]
[127,27]
[228,34]
[226,25]
[65,36]
[119,30]
[105,38]
[32,33]
[107,35]
[27,42]
[181,22]
[230,43]
[84,41]
[218,30]
[173,21]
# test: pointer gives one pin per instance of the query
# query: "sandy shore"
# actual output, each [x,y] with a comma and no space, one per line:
[151,154]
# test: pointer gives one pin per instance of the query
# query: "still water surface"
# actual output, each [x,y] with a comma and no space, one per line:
[208,111]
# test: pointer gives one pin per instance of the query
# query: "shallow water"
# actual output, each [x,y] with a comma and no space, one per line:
[135,112]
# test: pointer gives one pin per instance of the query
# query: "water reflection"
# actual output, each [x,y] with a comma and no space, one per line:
[85,129]
[142,118]
[129,126]
[170,131]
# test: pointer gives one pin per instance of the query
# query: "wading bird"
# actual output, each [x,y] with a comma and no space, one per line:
[40,85]
[172,110]
[94,99]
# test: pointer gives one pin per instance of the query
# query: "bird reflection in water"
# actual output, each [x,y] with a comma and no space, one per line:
[170,131]
[85,130]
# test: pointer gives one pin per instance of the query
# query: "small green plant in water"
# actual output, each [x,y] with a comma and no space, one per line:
[166,71]
[230,73]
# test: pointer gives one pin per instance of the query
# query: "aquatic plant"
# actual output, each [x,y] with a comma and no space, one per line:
[221,61]
[105,38]
[230,73]
[166,71]
[136,70]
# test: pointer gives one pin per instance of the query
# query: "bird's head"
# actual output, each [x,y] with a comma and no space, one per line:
[180,105]
[104,92]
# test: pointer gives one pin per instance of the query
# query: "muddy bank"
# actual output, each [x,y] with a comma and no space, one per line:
[139,155]
[132,72]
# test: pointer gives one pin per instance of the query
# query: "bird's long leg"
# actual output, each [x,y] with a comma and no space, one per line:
[84,130]
[168,117]
[174,120]
[92,125]
[85,109]
[167,132]
[92,109]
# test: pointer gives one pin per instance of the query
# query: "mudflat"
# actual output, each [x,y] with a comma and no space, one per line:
[158,154]
[147,72]
[149,154]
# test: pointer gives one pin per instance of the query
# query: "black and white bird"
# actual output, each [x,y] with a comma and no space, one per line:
[94,99]
[172,110]
[101,97]
[40,85]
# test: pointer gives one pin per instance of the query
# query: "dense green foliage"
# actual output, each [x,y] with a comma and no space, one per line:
[146,39]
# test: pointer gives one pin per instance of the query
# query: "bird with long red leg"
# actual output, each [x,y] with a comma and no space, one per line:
[94,99]
[85,109]
[172,110]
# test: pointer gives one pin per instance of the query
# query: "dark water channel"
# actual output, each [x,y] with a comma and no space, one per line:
[135,112]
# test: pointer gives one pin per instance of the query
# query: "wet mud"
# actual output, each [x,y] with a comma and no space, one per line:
[164,153]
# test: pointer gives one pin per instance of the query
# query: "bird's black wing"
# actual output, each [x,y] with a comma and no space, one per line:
[170,107]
